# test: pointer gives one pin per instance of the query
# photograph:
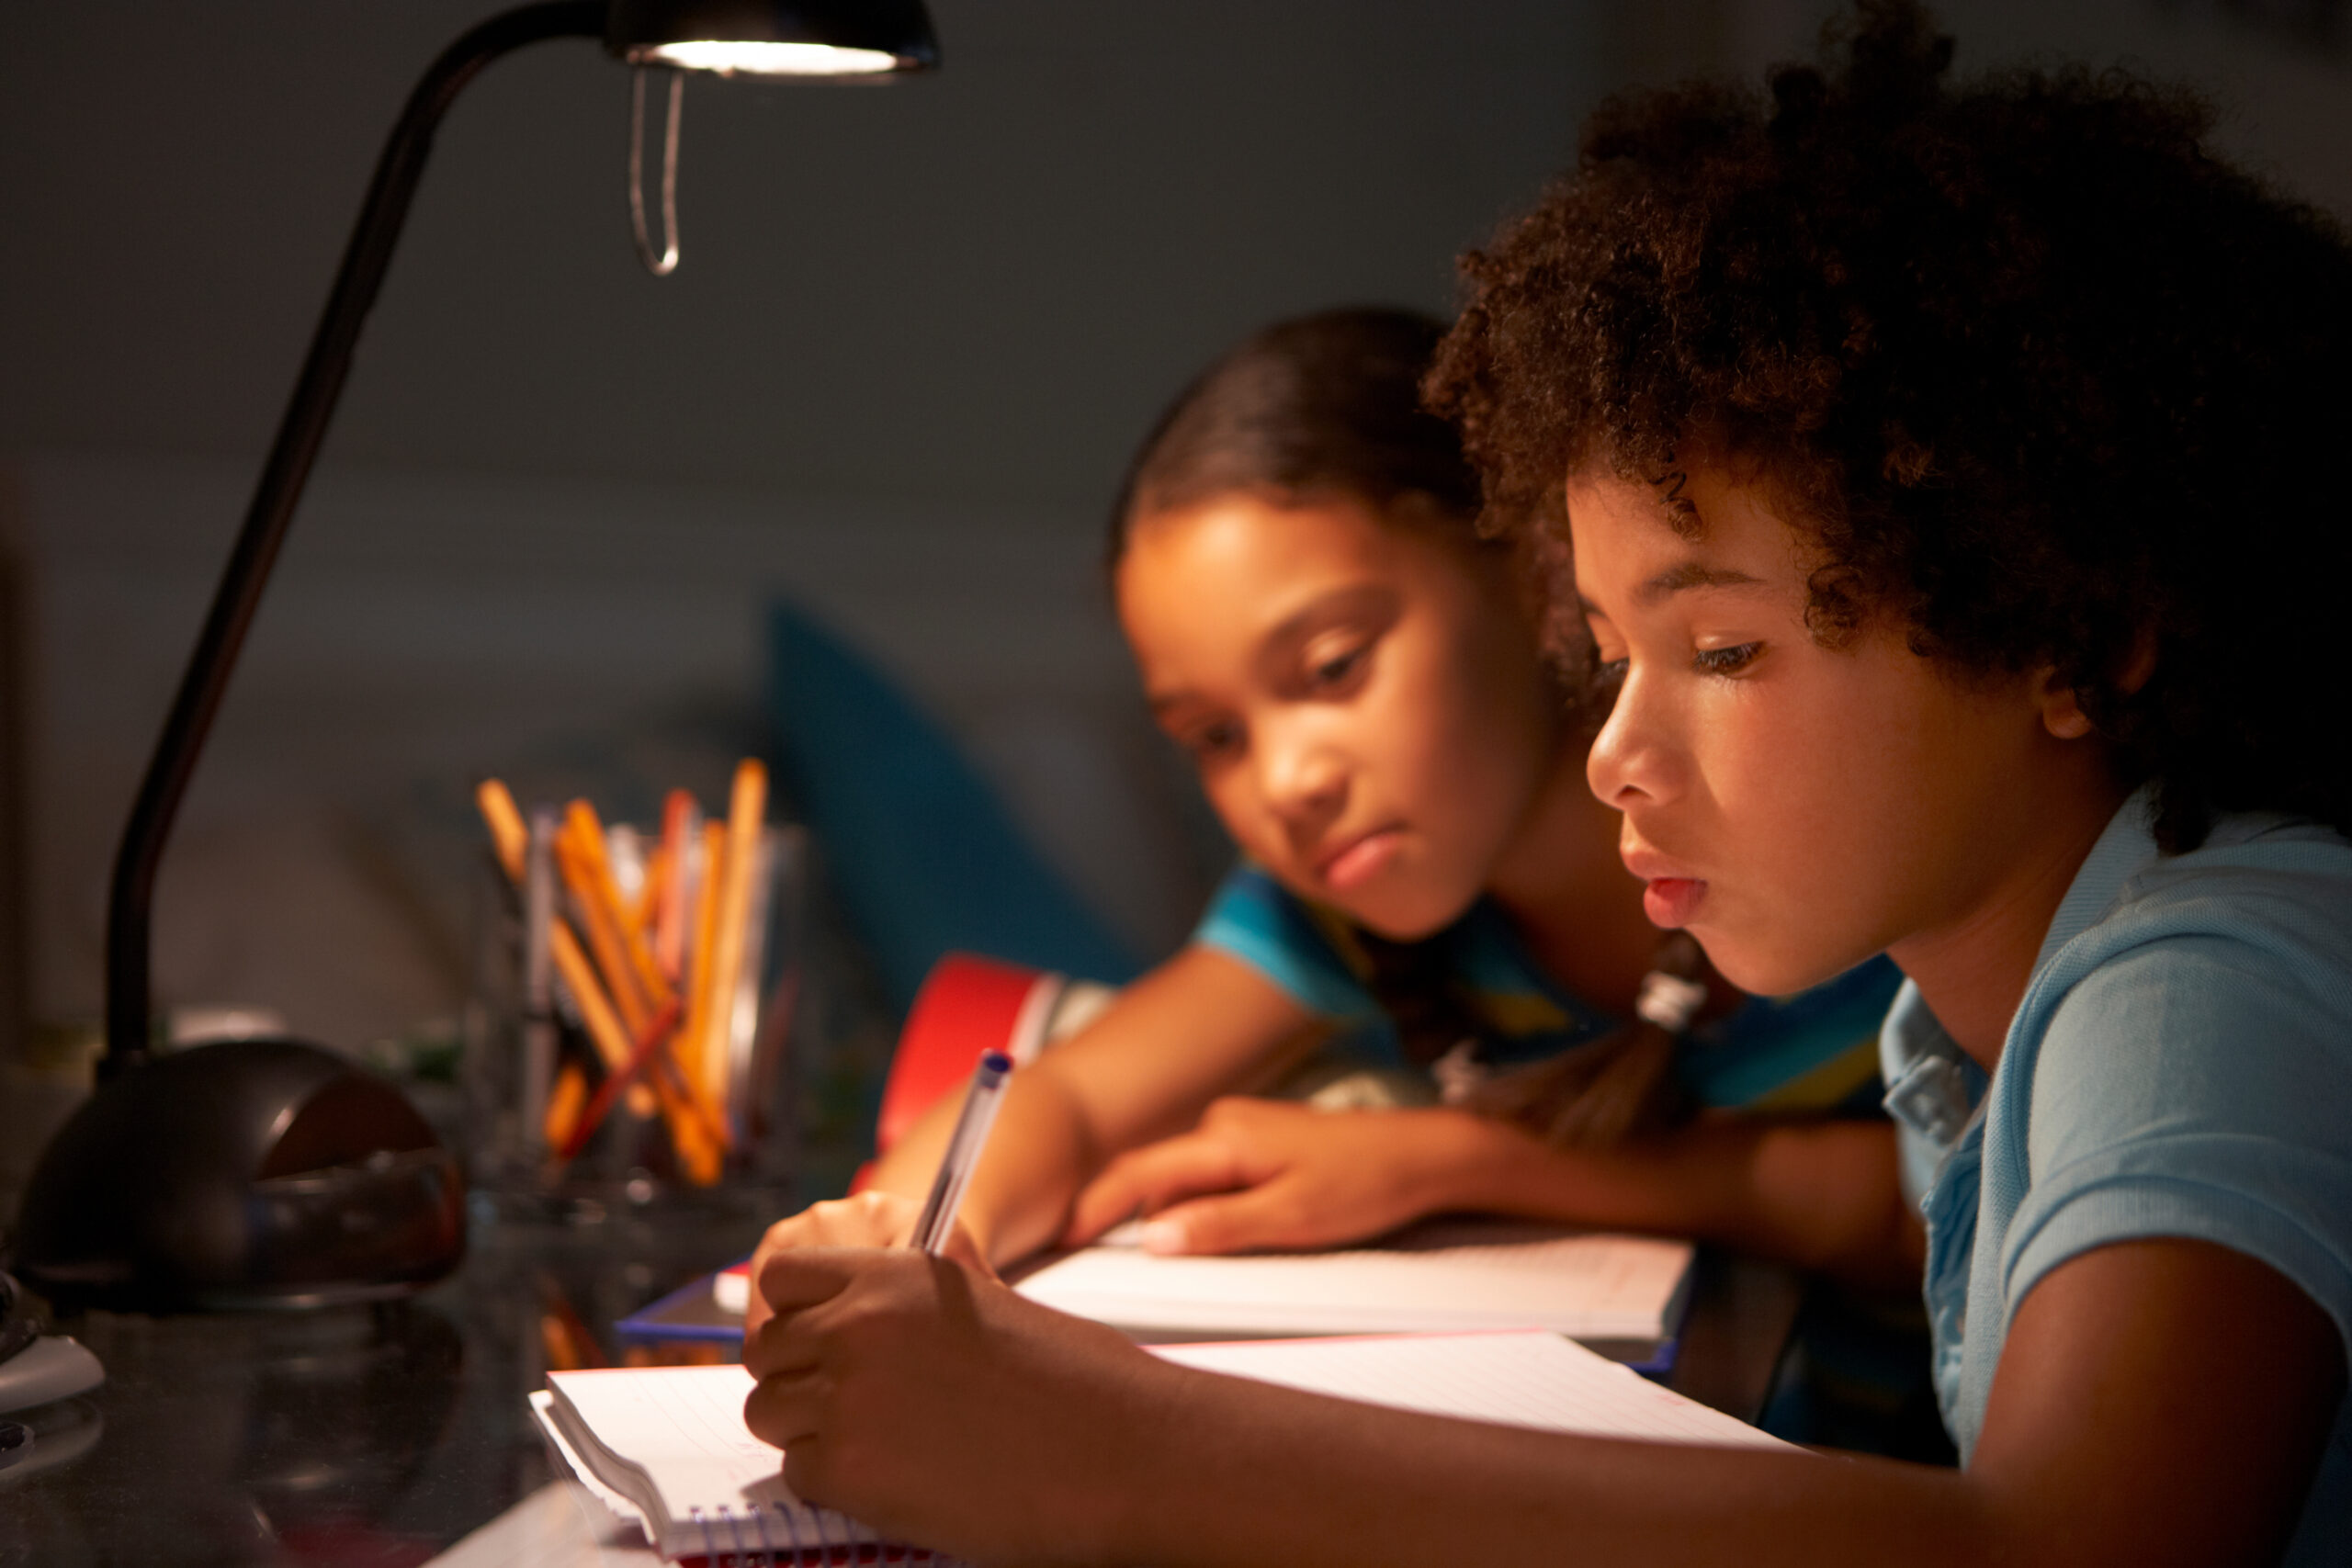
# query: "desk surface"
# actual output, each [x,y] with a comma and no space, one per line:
[376,1438]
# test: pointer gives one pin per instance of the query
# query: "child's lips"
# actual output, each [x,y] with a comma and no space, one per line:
[1360,859]
[1670,901]
[1669,898]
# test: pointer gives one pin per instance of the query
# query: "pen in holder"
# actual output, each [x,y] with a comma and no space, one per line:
[628,1040]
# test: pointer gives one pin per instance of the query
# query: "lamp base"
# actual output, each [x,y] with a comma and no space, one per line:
[245,1174]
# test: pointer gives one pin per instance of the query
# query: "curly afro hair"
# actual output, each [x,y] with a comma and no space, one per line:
[2042,378]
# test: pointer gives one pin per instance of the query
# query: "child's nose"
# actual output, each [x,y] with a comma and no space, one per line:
[1302,778]
[1627,764]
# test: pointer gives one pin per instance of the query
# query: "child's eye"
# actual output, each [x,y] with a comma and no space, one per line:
[1725,661]
[1213,741]
[1328,672]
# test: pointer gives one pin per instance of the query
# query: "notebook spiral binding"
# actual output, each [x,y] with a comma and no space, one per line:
[768,1552]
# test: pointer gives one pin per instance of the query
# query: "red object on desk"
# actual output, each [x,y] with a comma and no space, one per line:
[967,1004]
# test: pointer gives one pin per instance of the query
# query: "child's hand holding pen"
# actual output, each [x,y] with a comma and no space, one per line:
[938,1405]
[885,1220]
[869,1220]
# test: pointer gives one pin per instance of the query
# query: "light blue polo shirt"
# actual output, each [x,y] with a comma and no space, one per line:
[2180,1065]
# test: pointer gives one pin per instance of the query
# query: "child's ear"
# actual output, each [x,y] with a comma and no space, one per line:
[2062,710]
[2062,707]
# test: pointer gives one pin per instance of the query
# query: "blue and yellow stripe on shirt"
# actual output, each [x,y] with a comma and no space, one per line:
[1814,1050]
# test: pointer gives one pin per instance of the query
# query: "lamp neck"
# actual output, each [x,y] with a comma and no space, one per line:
[301,432]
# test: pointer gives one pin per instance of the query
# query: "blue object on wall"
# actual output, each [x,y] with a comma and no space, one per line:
[925,856]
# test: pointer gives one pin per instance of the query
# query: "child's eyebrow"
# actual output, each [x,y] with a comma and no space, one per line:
[1353,599]
[1690,574]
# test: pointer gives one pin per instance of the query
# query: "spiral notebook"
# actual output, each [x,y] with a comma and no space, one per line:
[667,1445]
[667,1448]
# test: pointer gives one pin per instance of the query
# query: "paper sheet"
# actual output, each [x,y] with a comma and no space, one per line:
[1519,1379]
[1437,1278]
[682,1429]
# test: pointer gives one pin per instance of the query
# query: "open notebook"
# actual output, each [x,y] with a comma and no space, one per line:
[1440,1276]
[667,1445]
[1623,1294]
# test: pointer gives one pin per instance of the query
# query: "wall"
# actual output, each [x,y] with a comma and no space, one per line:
[916,331]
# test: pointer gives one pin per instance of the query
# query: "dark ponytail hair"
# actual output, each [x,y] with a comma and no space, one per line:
[1620,1086]
[1328,404]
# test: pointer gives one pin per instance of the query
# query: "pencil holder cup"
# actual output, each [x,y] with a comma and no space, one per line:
[607,1073]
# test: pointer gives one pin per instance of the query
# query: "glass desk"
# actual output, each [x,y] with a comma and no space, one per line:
[376,1438]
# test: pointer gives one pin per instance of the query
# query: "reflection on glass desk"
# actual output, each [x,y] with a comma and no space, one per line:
[381,1438]
[360,1437]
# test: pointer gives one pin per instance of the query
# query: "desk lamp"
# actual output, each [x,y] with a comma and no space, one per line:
[269,1172]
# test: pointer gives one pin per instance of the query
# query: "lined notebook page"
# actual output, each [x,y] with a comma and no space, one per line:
[1519,1379]
[681,1428]
[667,1445]
[1435,1278]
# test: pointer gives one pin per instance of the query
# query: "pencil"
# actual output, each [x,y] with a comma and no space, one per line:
[746,814]
[511,838]
[681,828]
[637,972]
[562,1118]
[649,1041]
[688,1048]
[691,1122]
[645,909]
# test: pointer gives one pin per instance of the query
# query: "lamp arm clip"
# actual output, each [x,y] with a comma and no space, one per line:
[663,262]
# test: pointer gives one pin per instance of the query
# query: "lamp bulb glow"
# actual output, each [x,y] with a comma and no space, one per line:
[750,59]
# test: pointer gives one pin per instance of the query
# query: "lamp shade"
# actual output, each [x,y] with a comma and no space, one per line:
[775,38]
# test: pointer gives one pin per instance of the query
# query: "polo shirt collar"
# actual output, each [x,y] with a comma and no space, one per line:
[2126,848]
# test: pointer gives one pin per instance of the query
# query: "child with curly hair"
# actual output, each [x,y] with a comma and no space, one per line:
[1941,472]
[1430,905]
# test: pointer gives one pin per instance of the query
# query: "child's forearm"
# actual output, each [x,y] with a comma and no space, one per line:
[1822,1194]
[1250,1473]
[2160,1403]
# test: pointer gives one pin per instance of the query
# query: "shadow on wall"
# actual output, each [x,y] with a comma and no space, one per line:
[589,640]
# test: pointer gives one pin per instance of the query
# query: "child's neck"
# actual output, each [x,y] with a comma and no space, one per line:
[1574,903]
[1972,972]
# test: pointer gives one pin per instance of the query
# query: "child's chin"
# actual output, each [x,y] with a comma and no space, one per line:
[1761,970]
[1402,922]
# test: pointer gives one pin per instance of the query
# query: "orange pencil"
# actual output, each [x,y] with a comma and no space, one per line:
[746,814]
[679,831]
[564,1104]
[512,840]
[645,909]
[688,1046]
[588,840]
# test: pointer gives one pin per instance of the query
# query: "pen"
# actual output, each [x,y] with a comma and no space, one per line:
[938,1221]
